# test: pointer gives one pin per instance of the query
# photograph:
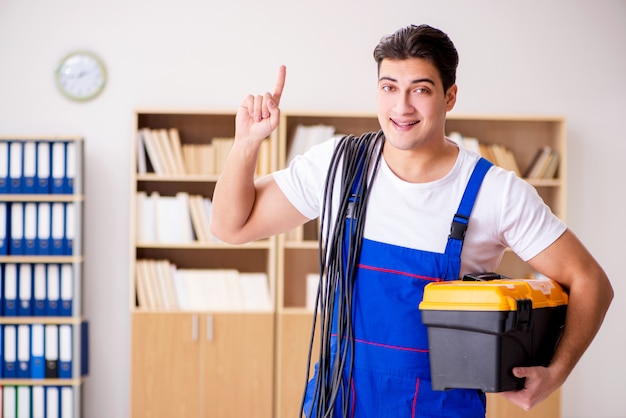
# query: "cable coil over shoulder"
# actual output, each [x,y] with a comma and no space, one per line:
[358,159]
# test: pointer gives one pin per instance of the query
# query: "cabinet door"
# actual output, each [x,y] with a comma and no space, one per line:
[238,364]
[293,349]
[166,366]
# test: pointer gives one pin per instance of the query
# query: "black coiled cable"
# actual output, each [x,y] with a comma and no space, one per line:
[340,248]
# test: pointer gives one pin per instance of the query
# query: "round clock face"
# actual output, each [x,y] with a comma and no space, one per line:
[81,76]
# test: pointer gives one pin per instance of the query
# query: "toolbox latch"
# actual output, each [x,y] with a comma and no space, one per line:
[524,314]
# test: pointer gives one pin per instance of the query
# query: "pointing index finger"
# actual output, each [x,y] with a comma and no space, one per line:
[280,84]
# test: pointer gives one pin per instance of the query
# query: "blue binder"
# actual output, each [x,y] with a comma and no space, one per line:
[66,290]
[65,351]
[25,290]
[10,290]
[9,352]
[39,290]
[29,167]
[70,167]
[84,348]
[70,228]
[16,246]
[30,228]
[16,159]
[4,228]
[44,228]
[1,350]
[52,290]
[42,185]
[4,166]
[37,352]
[57,168]
[23,351]
[57,233]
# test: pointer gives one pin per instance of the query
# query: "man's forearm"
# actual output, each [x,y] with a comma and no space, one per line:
[234,193]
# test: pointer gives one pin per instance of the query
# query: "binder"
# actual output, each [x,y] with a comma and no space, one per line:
[57,230]
[52,402]
[44,214]
[29,169]
[9,402]
[66,290]
[30,228]
[57,168]
[37,352]
[52,290]
[10,352]
[4,225]
[10,290]
[1,359]
[23,351]
[39,402]
[17,229]
[4,166]
[39,290]
[15,166]
[70,228]
[67,402]
[25,290]
[23,402]
[84,348]
[51,351]
[42,184]
[65,351]
[70,168]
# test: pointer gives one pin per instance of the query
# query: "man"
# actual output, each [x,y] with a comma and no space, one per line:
[412,180]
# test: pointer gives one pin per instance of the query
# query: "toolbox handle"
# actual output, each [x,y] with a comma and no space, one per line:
[482,277]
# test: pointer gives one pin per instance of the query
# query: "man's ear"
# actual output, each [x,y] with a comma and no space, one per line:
[451,97]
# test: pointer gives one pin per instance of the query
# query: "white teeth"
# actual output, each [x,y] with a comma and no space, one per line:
[406,123]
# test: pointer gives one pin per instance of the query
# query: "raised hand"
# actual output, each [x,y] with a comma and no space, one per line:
[259,115]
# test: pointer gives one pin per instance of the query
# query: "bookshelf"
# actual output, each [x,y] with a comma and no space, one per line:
[188,358]
[297,252]
[44,334]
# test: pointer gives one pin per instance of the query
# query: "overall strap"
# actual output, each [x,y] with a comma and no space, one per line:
[461,218]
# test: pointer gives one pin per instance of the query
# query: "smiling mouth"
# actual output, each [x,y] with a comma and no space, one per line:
[403,124]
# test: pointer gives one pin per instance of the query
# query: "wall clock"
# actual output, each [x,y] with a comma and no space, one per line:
[81,75]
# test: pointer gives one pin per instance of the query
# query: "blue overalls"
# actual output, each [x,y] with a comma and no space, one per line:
[391,372]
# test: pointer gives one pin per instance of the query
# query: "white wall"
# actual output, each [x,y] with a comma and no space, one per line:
[532,57]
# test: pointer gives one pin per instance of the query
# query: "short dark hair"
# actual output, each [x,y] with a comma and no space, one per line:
[423,42]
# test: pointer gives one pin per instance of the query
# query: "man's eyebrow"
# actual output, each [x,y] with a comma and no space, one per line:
[416,81]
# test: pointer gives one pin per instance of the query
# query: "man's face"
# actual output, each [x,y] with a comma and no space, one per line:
[411,102]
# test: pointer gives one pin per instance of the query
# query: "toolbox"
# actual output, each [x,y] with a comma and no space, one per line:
[480,327]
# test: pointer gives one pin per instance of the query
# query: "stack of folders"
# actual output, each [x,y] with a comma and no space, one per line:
[162,286]
[39,350]
[41,289]
[39,228]
[37,401]
[39,166]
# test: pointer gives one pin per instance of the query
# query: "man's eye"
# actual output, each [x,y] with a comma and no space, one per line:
[421,90]
[388,88]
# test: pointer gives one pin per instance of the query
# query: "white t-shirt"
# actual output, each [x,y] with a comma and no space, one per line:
[508,211]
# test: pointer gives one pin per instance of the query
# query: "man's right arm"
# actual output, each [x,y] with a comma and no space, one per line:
[245,209]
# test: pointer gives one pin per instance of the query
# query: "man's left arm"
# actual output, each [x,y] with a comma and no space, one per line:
[568,262]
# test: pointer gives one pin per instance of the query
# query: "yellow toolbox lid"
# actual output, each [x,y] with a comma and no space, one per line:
[493,295]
